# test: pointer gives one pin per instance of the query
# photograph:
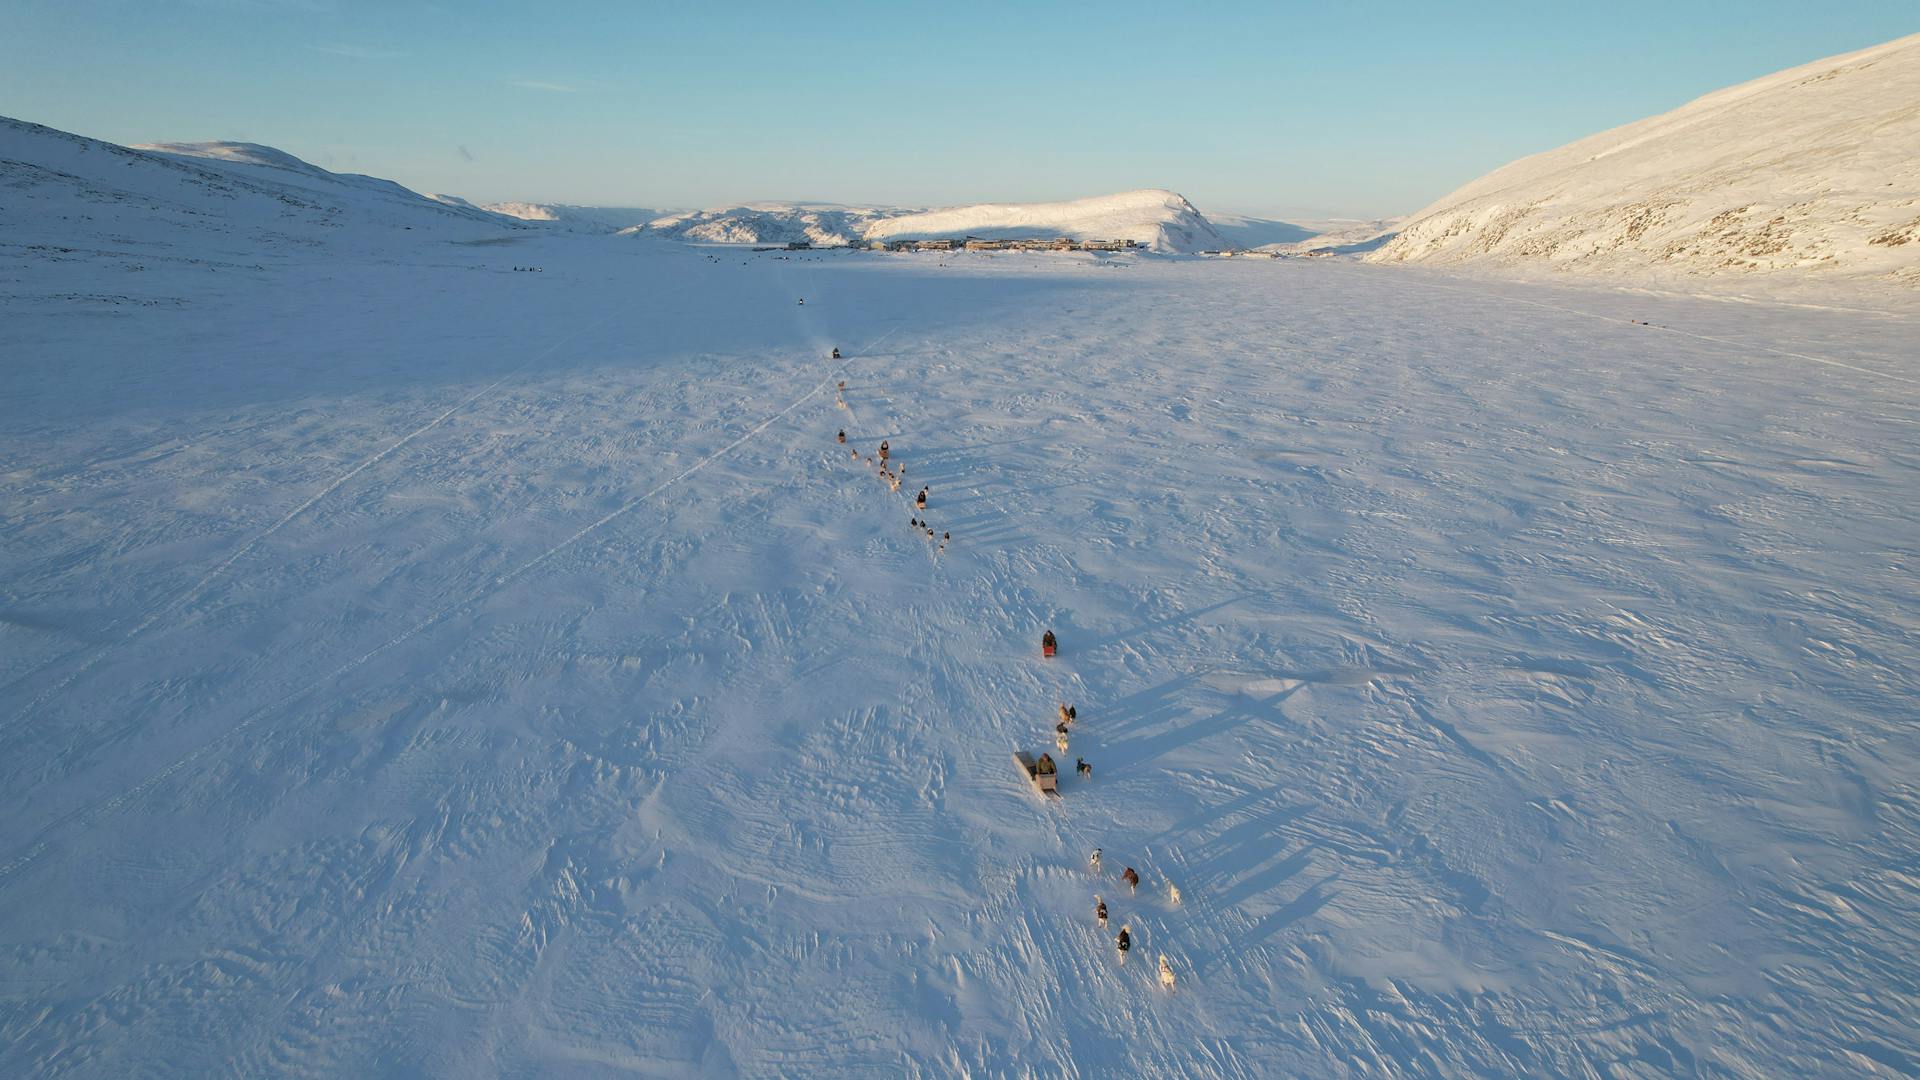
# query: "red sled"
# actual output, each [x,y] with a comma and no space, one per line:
[1046,651]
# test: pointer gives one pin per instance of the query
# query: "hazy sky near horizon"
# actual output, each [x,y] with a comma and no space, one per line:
[1286,109]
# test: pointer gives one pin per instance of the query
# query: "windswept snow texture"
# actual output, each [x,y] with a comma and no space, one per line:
[410,666]
[1155,219]
[1808,176]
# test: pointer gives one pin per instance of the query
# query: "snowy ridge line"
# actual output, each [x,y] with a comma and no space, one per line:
[94,811]
[1686,333]
[198,589]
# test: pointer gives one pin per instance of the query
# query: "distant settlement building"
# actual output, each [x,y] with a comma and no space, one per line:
[1012,243]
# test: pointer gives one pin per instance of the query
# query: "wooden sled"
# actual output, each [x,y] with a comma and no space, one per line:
[1048,782]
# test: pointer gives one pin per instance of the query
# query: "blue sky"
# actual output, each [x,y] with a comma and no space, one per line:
[1287,109]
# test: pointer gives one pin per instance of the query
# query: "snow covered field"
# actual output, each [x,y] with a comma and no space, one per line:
[411,666]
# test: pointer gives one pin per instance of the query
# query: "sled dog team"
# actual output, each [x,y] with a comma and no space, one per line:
[1068,715]
[1124,941]
[884,466]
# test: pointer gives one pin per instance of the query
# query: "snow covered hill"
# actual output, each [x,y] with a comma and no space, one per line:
[361,194]
[1811,173]
[821,224]
[1156,219]
[1160,220]
[220,187]
[75,204]
[100,228]
[588,219]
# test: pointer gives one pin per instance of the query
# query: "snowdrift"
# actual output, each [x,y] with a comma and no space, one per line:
[1813,171]
[1160,220]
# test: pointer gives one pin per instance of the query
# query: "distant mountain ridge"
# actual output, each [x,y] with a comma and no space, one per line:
[1812,172]
[1156,219]
[821,224]
[591,219]
[1159,220]
[296,190]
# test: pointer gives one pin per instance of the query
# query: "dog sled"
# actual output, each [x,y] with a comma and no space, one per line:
[1042,772]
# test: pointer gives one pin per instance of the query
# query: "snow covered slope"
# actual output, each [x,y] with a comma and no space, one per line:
[264,164]
[1809,173]
[83,214]
[1241,231]
[1343,238]
[1159,220]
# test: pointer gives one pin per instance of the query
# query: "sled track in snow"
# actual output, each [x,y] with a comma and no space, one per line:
[199,588]
[1728,342]
[96,810]
[934,548]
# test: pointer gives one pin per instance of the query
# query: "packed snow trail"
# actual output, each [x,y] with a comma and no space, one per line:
[1493,682]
